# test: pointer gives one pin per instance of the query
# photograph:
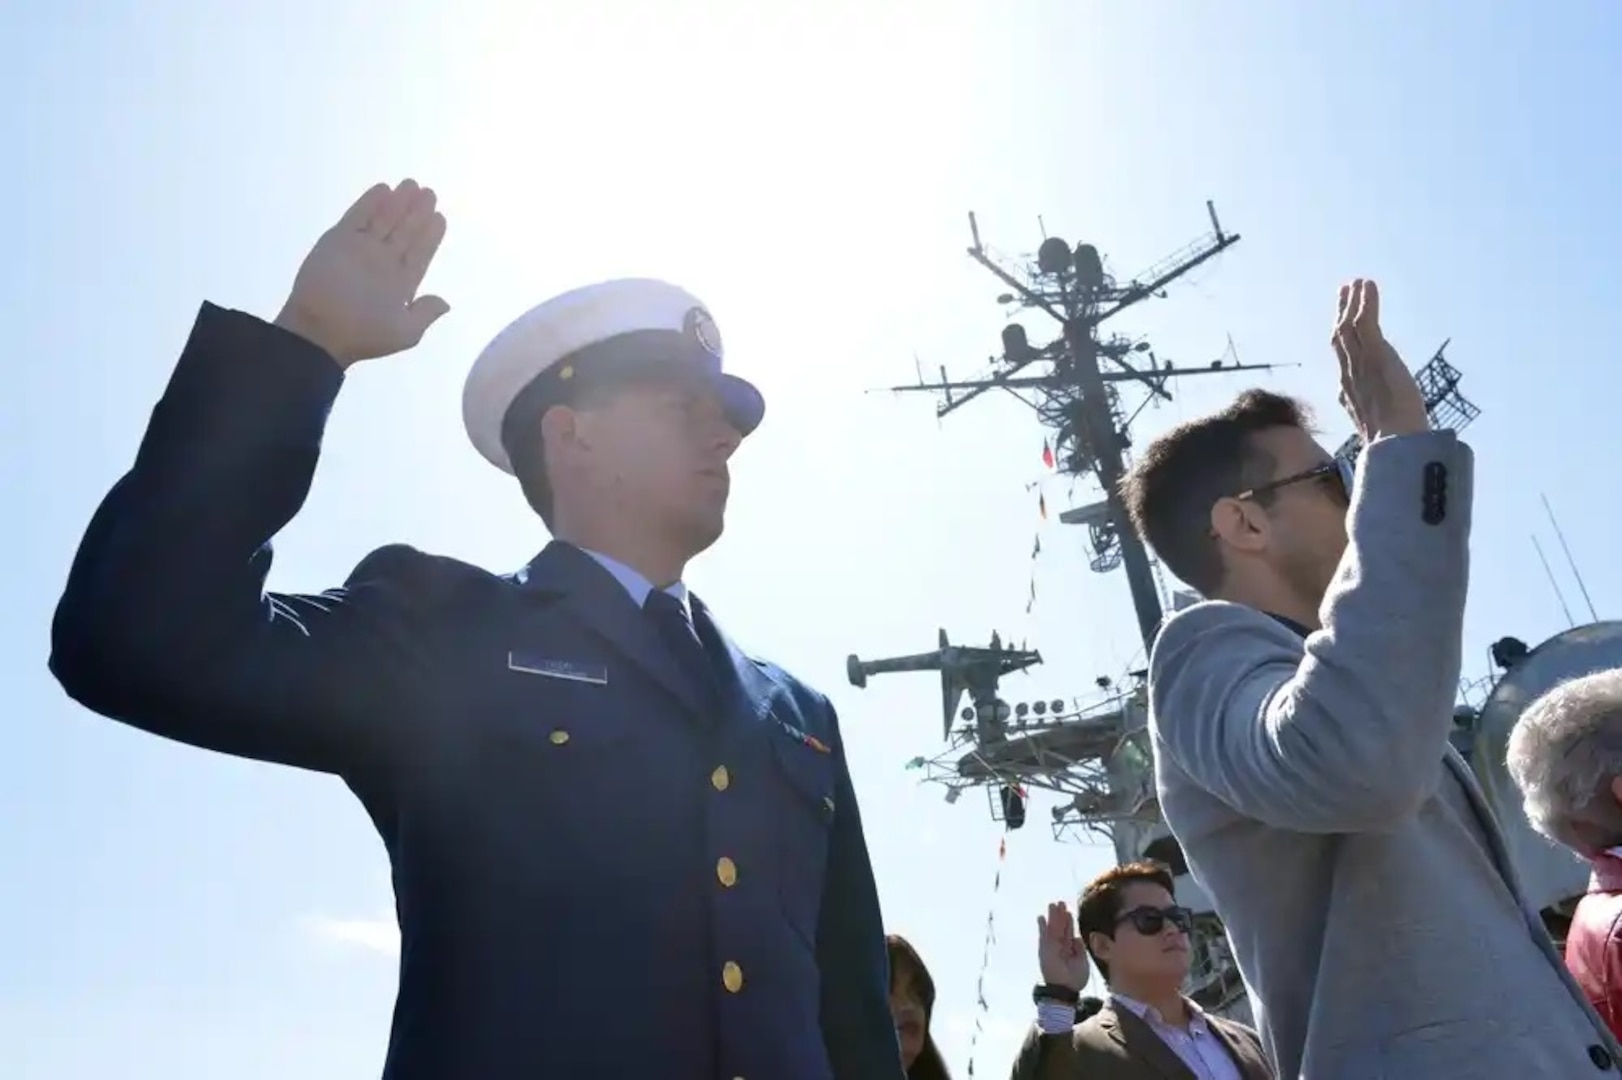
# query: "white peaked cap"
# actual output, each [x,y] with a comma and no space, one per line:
[606,331]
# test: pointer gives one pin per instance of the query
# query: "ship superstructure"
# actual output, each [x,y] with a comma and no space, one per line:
[1095,757]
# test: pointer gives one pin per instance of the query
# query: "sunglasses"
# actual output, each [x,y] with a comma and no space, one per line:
[1337,475]
[1150,921]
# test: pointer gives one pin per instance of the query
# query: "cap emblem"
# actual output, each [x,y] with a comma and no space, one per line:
[701,328]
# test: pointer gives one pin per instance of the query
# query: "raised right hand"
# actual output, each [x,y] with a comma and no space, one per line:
[356,293]
[1059,952]
[1376,387]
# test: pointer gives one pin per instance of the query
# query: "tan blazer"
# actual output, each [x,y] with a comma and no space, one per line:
[1117,1045]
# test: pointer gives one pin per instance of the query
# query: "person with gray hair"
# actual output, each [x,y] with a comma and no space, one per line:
[1565,756]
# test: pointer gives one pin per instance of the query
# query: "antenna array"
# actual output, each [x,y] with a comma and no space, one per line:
[1072,381]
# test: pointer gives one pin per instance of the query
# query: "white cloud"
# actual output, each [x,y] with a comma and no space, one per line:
[380,935]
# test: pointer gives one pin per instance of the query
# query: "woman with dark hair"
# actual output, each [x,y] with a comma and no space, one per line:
[912,1000]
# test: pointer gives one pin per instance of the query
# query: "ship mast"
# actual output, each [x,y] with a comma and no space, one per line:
[1072,391]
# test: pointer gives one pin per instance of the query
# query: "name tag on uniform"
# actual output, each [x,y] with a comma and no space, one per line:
[568,670]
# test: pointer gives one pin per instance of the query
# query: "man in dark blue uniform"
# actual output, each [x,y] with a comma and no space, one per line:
[620,845]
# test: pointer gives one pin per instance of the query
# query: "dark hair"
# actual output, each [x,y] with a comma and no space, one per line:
[1169,492]
[1099,909]
[904,960]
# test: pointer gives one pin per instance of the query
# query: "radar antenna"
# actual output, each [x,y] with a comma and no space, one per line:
[1439,385]
[964,670]
[1094,756]
[1065,383]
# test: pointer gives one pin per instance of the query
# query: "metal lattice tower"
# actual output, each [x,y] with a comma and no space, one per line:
[1439,385]
[1072,382]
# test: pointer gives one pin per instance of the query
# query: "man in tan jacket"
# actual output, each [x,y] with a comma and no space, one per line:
[1130,923]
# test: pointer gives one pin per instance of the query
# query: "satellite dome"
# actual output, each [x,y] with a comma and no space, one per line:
[1549,872]
[1053,257]
[1089,267]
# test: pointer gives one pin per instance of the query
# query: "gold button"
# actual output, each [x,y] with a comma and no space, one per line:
[731,977]
[727,871]
[559,738]
[720,778]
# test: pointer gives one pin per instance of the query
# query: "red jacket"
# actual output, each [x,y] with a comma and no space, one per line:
[1594,942]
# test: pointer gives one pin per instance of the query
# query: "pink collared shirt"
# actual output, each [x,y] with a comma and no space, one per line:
[1198,1047]
[1594,941]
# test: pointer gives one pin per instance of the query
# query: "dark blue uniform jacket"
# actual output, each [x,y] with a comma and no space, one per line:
[598,873]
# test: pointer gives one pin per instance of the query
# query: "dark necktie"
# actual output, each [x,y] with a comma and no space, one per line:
[676,630]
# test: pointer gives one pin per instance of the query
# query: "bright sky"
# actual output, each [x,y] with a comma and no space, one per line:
[170,914]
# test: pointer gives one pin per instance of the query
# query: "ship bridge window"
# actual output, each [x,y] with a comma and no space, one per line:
[1168,851]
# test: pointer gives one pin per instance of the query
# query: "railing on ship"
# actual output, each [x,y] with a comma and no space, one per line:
[1213,978]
